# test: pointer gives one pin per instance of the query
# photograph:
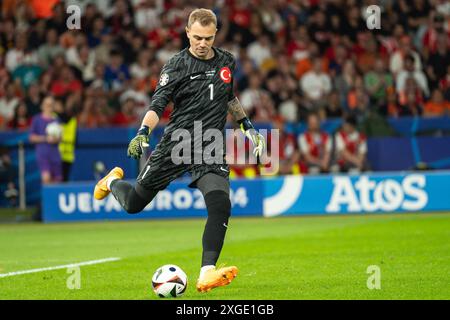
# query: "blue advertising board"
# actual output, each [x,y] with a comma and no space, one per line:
[75,202]
[288,195]
[381,192]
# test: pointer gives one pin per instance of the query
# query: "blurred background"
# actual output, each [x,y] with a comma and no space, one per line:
[345,98]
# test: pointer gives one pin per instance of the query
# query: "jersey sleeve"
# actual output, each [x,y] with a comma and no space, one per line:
[231,95]
[168,80]
[340,145]
[303,145]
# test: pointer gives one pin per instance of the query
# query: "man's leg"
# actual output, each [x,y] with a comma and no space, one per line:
[216,192]
[132,199]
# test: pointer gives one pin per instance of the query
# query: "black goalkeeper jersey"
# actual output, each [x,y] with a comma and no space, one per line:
[200,91]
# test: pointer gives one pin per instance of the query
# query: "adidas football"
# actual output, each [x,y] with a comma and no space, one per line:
[169,281]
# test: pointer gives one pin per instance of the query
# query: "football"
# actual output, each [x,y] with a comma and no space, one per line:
[54,129]
[169,281]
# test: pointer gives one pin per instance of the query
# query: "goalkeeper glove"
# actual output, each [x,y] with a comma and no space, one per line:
[254,136]
[138,143]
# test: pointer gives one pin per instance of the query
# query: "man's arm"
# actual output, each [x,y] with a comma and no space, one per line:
[236,109]
[161,97]
[150,120]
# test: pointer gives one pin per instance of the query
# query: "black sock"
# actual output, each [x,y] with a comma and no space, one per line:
[219,206]
[127,196]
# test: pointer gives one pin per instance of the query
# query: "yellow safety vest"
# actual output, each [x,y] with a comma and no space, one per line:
[68,139]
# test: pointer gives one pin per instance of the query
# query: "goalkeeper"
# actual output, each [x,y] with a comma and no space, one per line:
[199,81]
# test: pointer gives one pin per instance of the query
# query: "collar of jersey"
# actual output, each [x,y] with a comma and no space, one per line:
[203,60]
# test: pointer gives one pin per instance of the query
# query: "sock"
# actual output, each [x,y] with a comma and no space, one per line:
[219,207]
[204,269]
[108,182]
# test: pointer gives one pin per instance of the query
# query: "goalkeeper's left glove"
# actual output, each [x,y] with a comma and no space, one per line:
[138,143]
[254,136]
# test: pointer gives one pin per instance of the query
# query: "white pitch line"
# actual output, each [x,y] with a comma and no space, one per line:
[85,263]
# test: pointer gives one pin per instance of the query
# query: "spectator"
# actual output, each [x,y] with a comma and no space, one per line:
[315,146]
[103,50]
[147,14]
[58,18]
[351,147]
[378,81]
[47,153]
[252,96]
[435,29]
[410,72]
[33,100]
[437,106]
[27,74]
[9,102]
[259,50]
[94,114]
[390,107]
[21,120]
[333,108]
[20,54]
[316,84]
[437,60]
[116,73]
[98,29]
[297,47]
[369,55]
[141,68]
[397,59]
[289,154]
[358,100]
[345,82]
[66,83]
[66,111]
[83,61]
[337,58]
[121,18]
[412,105]
[126,116]
[48,51]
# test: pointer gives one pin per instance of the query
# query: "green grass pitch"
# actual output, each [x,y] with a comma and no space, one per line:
[322,257]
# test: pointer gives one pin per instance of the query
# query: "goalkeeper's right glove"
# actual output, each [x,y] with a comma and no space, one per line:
[138,143]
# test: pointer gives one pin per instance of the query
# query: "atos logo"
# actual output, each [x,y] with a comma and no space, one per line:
[367,195]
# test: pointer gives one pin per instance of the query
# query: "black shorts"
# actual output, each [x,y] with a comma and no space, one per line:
[160,171]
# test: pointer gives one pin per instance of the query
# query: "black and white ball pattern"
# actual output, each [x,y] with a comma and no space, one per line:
[169,281]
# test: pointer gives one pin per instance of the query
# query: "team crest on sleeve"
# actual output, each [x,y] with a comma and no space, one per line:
[164,79]
[225,74]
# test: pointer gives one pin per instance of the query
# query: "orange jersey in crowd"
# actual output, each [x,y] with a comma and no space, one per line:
[43,9]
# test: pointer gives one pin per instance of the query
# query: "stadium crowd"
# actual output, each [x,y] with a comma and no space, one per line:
[294,58]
